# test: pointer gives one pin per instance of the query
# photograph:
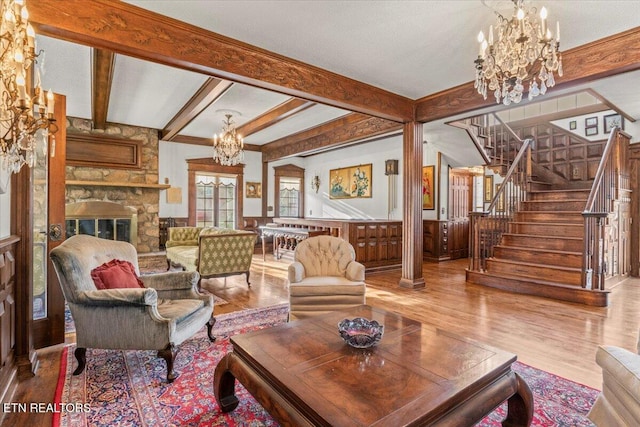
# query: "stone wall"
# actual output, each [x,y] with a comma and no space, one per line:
[145,200]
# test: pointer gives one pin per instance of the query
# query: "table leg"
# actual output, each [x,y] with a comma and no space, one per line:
[519,406]
[264,248]
[224,384]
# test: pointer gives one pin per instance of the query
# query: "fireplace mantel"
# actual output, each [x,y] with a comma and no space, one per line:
[117,184]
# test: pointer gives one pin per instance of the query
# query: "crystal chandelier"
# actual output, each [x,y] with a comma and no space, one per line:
[228,146]
[505,64]
[21,116]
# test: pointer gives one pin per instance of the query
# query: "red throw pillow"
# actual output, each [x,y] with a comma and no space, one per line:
[116,274]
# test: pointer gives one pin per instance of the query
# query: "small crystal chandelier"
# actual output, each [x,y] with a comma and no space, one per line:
[21,116]
[228,147]
[505,64]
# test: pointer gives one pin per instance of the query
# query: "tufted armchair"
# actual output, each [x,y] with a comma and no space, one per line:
[324,277]
[160,316]
[618,405]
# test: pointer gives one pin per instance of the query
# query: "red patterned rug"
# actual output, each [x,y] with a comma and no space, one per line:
[129,388]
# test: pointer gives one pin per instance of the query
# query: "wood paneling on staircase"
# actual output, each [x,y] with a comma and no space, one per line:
[541,254]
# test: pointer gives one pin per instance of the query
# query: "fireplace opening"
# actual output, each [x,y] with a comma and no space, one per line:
[107,220]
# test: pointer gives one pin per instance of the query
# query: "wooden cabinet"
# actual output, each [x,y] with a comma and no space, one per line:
[8,248]
[377,243]
[435,240]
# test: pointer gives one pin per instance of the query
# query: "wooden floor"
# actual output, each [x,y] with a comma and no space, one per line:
[558,337]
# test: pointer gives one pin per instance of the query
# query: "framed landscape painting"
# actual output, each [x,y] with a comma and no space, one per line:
[428,187]
[350,182]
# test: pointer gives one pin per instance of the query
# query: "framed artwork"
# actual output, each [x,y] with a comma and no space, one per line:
[500,204]
[613,120]
[590,122]
[591,131]
[488,188]
[350,182]
[573,125]
[428,187]
[253,190]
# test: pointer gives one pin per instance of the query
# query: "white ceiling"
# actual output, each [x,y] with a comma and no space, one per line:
[412,48]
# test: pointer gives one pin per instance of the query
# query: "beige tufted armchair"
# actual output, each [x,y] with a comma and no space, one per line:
[160,316]
[618,405]
[324,277]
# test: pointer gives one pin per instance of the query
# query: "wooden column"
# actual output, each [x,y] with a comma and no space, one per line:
[412,207]
[21,218]
[634,163]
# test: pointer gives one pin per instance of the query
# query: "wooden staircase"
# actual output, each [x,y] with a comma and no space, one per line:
[541,252]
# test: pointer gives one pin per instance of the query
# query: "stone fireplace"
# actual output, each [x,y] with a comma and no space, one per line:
[134,188]
[106,220]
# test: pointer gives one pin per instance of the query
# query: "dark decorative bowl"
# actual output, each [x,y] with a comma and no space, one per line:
[360,332]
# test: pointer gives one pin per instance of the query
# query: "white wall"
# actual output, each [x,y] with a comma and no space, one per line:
[319,205]
[632,128]
[172,164]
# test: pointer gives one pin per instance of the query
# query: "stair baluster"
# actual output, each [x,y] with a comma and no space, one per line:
[611,178]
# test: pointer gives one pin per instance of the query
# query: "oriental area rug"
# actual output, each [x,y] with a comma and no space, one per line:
[129,388]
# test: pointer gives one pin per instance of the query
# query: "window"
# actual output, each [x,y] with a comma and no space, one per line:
[289,194]
[215,193]
[289,185]
[215,201]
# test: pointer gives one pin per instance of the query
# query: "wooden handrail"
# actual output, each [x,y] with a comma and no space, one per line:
[487,227]
[611,177]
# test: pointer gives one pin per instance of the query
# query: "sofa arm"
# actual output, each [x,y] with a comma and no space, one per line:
[119,297]
[172,243]
[296,272]
[621,364]
[172,280]
[355,272]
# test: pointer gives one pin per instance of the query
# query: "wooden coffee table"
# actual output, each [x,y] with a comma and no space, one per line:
[304,374]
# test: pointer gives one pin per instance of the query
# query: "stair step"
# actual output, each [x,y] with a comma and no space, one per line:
[569,194]
[564,275]
[575,205]
[538,256]
[547,229]
[542,288]
[571,244]
[550,216]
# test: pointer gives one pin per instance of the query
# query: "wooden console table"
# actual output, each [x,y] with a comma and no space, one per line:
[285,238]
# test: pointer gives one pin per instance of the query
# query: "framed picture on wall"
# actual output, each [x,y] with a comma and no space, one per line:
[253,190]
[500,204]
[573,125]
[613,120]
[428,187]
[488,188]
[350,182]
[590,122]
[591,131]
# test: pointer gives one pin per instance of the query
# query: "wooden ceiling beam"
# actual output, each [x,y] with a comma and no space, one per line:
[102,77]
[208,93]
[341,131]
[130,30]
[276,114]
[606,57]
[208,142]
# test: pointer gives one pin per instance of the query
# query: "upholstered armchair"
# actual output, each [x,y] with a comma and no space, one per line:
[162,314]
[324,277]
[618,405]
